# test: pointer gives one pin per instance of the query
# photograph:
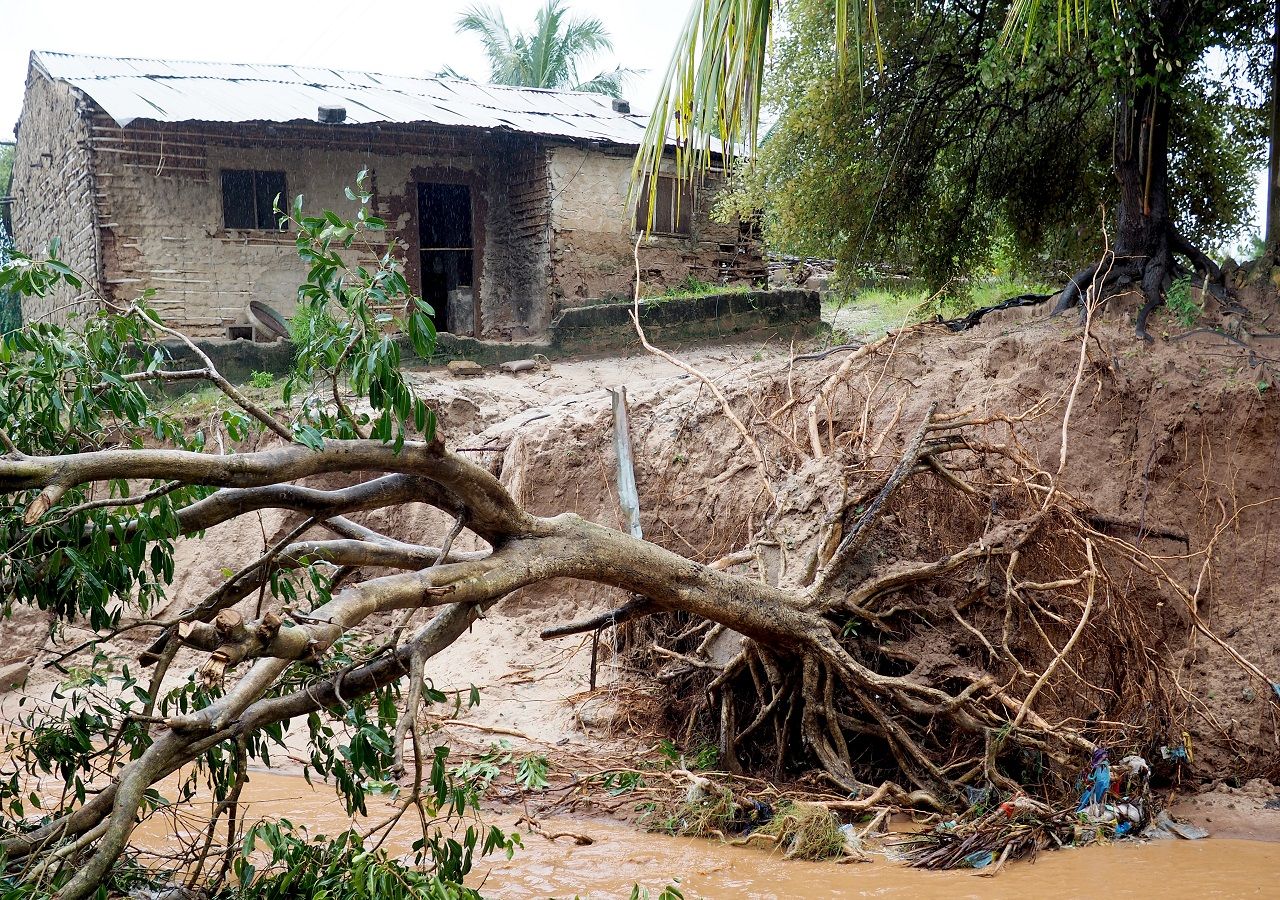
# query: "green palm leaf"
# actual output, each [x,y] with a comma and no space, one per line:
[547,57]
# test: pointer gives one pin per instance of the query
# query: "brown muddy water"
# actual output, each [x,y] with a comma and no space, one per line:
[623,856]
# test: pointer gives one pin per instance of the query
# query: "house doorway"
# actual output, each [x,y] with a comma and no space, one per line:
[444,228]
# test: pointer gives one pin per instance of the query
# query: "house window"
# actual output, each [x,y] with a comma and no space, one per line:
[672,207]
[248,198]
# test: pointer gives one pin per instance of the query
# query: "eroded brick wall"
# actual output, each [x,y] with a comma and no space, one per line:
[161,209]
[53,189]
[593,236]
[518,262]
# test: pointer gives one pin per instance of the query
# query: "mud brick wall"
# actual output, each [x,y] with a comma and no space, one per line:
[162,228]
[139,209]
[513,297]
[593,235]
[54,189]
[520,263]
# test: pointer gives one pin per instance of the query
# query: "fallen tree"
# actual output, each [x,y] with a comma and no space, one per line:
[950,621]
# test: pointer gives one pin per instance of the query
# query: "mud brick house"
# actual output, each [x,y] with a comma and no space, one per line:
[504,204]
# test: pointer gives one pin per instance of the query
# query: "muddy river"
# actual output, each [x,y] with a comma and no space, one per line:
[622,856]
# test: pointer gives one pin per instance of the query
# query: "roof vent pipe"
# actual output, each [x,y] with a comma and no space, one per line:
[332,115]
[621,106]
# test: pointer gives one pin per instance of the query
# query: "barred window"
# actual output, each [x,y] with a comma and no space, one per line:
[248,198]
[672,207]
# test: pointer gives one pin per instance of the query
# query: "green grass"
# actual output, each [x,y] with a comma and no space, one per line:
[805,831]
[1182,305]
[696,287]
[888,307]
[207,400]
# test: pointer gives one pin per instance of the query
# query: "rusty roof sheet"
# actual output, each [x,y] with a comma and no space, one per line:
[171,91]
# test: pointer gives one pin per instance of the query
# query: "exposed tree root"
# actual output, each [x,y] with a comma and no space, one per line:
[1149,274]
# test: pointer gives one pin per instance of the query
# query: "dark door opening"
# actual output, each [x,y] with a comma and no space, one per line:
[444,228]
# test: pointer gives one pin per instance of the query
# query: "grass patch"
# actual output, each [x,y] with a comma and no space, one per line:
[705,810]
[877,307]
[1182,304]
[695,287]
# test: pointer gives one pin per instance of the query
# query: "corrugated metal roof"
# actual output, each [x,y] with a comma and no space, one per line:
[172,91]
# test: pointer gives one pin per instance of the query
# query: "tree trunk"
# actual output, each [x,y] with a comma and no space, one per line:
[1147,242]
[1273,167]
[1144,228]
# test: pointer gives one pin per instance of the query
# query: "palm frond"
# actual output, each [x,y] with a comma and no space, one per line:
[546,57]
[488,24]
[1070,21]
[607,83]
[710,98]
[709,104]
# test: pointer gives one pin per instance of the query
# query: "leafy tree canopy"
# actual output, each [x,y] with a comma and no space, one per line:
[956,149]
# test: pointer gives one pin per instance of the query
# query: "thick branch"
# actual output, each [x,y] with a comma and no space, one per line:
[228,503]
[491,512]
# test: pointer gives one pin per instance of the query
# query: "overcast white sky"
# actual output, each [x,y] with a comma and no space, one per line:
[397,37]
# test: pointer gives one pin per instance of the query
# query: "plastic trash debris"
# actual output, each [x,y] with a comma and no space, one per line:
[1135,766]
[1130,812]
[753,814]
[1099,814]
[1189,832]
[976,796]
[1166,826]
[1180,752]
[979,860]
[1022,803]
[1099,780]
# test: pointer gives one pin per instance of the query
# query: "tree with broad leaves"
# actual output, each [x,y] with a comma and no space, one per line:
[550,55]
[1150,54]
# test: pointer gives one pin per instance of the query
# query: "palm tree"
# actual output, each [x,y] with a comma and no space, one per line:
[547,57]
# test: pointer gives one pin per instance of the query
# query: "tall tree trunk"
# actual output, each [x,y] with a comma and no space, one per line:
[1146,238]
[1273,167]
[1144,228]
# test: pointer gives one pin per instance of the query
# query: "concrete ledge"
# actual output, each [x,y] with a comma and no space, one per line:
[577,331]
[602,327]
[683,319]
[487,353]
[237,360]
